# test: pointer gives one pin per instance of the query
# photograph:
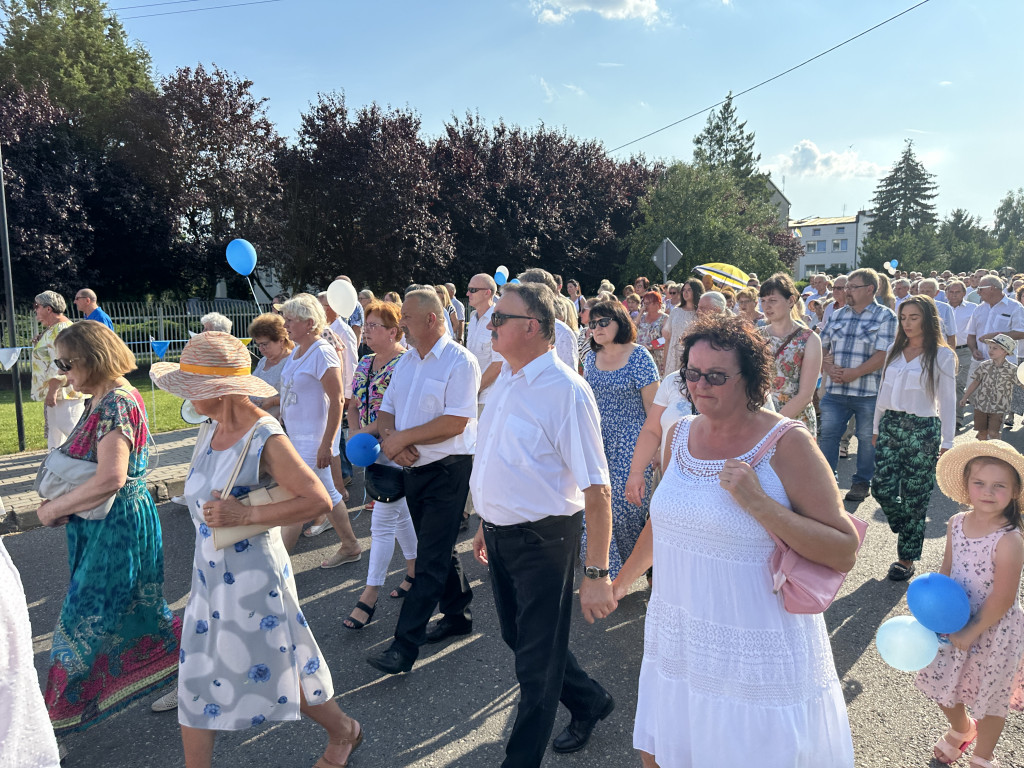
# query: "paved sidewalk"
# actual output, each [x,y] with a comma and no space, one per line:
[167,466]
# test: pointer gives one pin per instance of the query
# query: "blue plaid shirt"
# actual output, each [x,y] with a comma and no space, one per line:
[853,339]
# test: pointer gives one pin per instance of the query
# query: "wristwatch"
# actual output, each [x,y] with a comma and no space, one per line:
[593,572]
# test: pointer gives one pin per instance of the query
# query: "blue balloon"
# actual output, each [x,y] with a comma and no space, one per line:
[514,281]
[362,449]
[894,263]
[242,256]
[501,278]
[939,603]
[906,644]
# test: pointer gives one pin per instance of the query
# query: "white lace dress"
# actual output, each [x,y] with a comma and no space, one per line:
[728,676]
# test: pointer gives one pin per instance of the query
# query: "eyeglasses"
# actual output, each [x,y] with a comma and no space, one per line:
[261,345]
[604,322]
[368,326]
[851,286]
[498,319]
[714,378]
[65,364]
[673,293]
[40,306]
[474,290]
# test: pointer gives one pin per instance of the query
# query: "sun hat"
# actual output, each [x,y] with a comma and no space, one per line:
[1004,341]
[213,364]
[949,472]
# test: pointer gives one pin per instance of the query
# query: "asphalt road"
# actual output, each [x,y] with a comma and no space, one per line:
[455,708]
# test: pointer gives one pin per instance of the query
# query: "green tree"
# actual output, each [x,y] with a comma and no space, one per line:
[725,143]
[705,213]
[77,48]
[1009,227]
[966,244]
[903,199]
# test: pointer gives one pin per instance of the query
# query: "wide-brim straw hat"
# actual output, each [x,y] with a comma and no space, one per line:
[213,364]
[949,472]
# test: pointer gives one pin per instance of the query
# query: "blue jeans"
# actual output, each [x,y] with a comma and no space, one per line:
[836,411]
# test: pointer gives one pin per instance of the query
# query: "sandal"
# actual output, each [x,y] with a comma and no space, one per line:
[340,558]
[399,592]
[946,749]
[899,572]
[323,762]
[993,763]
[351,623]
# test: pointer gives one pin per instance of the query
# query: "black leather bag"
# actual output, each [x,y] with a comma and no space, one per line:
[384,483]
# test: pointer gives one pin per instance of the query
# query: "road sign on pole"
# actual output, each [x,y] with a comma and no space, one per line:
[666,257]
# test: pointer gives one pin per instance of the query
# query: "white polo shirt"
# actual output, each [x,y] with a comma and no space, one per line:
[540,445]
[443,383]
[947,318]
[1005,316]
[478,341]
[963,315]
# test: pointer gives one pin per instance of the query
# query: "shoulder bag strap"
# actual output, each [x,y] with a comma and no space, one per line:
[777,433]
[241,460]
[785,342]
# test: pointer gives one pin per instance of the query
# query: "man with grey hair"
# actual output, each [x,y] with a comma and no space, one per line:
[62,404]
[995,314]
[566,341]
[712,303]
[427,423]
[85,302]
[900,289]
[215,321]
[820,285]
[542,426]
[947,319]
[480,296]
[962,311]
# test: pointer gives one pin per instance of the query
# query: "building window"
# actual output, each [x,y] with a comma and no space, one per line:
[822,246]
[842,245]
[840,230]
[835,246]
[816,233]
[810,246]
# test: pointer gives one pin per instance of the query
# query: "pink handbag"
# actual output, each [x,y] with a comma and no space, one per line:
[806,587]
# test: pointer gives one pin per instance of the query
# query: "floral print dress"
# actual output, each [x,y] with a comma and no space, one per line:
[245,646]
[789,362]
[647,334]
[988,678]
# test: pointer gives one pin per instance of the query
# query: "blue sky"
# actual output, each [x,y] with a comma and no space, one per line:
[613,70]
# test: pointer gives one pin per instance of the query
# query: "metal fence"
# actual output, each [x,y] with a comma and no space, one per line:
[136,322]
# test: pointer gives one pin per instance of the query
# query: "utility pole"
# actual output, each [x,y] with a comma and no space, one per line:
[5,250]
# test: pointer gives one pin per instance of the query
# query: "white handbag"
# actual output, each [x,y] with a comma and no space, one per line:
[59,474]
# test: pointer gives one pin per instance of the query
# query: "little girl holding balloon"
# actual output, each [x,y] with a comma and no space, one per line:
[980,668]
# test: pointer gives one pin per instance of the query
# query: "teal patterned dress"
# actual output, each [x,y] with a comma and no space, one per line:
[116,639]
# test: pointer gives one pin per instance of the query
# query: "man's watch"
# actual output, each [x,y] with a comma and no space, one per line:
[593,572]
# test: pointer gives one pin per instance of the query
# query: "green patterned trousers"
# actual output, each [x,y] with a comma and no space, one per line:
[905,457]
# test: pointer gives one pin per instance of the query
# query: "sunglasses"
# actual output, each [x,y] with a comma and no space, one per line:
[474,290]
[64,364]
[604,322]
[714,378]
[498,319]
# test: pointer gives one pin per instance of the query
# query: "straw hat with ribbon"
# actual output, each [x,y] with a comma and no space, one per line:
[213,364]
[950,470]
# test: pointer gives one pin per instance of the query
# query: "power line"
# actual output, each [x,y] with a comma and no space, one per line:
[197,10]
[153,5]
[770,79]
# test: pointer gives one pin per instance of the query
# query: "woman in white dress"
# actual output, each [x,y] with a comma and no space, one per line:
[728,676]
[247,653]
[679,320]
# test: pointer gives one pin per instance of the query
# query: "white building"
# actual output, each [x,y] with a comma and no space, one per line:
[831,245]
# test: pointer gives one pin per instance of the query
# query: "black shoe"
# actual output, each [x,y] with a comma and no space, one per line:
[391,661]
[444,629]
[858,492]
[577,732]
[899,572]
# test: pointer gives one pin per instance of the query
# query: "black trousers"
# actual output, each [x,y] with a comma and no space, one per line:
[532,566]
[437,495]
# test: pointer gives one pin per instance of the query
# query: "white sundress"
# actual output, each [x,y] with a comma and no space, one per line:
[245,645]
[728,676]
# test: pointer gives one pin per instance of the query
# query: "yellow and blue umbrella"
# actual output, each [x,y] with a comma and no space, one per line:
[724,274]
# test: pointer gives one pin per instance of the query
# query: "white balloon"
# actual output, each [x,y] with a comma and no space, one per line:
[342,297]
[503,269]
[189,414]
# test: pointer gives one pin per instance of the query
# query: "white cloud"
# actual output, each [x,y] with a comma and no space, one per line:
[805,159]
[575,89]
[915,130]
[549,92]
[557,11]
[609,64]
[944,83]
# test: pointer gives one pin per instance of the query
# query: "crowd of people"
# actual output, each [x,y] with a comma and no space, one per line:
[649,434]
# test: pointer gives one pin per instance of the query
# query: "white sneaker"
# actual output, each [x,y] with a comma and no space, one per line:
[180,500]
[166,702]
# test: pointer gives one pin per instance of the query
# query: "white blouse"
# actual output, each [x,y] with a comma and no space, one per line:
[904,388]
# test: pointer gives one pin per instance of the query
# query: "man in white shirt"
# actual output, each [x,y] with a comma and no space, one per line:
[566,341]
[838,300]
[973,295]
[541,425]
[956,292]
[900,289]
[995,314]
[947,318]
[480,296]
[427,422]
[460,310]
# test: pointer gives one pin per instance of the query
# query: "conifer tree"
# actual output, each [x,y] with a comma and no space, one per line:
[903,199]
[725,143]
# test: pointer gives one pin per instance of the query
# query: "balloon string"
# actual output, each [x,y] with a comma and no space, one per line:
[258,310]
